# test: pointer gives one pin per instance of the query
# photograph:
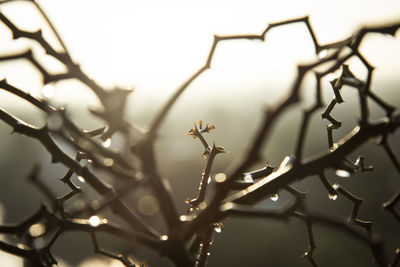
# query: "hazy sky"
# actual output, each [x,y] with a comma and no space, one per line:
[155,45]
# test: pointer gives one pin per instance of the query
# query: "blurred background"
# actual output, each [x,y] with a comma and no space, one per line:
[152,47]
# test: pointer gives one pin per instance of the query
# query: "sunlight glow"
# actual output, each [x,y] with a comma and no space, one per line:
[94,221]
[156,45]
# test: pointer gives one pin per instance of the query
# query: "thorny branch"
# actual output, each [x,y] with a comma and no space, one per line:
[189,237]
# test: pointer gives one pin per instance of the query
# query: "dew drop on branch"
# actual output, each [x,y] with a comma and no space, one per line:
[184,218]
[81,179]
[247,178]
[332,196]
[94,221]
[107,143]
[164,237]
[335,186]
[218,227]
[274,197]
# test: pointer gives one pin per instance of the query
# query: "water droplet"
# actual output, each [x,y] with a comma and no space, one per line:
[220,177]
[148,205]
[342,173]
[218,228]
[184,218]
[48,91]
[323,54]
[164,237]
[208,253]
[108,162]
[209,180]
[332,196]
[274,197]
[247,178]
[37,229]
[335,186]
[54,122]
[94,221]
[107,143]
[81,179]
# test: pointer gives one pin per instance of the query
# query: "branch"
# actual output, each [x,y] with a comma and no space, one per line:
[309,253]
[162,114]
[204,247]
[290,173]
[205,177]
[123,259]
[42,135]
